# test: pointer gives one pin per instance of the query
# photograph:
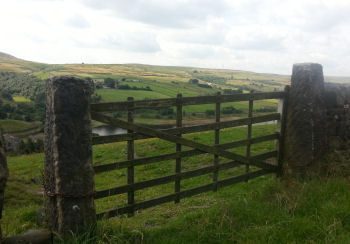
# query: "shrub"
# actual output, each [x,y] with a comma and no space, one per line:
[209,113]
[231,110]
[205,86]
[265,110]
[109,82]
[231,91]
[193,81]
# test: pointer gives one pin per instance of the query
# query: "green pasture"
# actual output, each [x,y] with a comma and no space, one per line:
[15,125]
[264,210]
[24,192]
[20,99]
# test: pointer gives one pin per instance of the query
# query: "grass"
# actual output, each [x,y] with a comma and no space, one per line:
[9,125]
[267,211]
[20,99]
[24,197]
[264,210]
[165,90]
[113,95]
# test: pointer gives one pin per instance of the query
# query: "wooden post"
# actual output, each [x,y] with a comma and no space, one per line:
[217,141]
[249,133]
[131,152]
[69,176]
[178,146]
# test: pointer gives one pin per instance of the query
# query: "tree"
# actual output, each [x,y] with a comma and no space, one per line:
[109,82]
[91,83]
[209,113]
[193,81]
[3,115]
[7,95]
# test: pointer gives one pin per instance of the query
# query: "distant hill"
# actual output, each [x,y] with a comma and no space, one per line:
[219,78]
[9,63]
[5,56]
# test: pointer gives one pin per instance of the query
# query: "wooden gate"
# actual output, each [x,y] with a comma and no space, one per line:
[136,132]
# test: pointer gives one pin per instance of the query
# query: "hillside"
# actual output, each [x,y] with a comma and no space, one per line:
[25,79]
[223,78]
[5,56]
[9,63]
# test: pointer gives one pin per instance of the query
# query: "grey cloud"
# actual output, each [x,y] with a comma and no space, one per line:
[256,42]
[210,34]
[320,18]
[193,51]
[134,42]
[174,14]
[78,21]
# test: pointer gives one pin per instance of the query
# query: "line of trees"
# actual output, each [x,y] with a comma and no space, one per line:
[196,82]
[115,84]
[224,110]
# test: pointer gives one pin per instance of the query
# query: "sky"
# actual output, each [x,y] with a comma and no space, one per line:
[266,36]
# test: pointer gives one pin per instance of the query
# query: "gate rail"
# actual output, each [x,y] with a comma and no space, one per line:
[137,132]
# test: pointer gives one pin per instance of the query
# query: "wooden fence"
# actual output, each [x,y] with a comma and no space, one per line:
[174,135]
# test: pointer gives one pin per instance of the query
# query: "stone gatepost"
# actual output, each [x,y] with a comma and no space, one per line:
[69,176]
[305,128]
[4,174]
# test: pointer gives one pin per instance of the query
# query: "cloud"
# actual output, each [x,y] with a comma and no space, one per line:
[172,14]
[262,36]
[78,21]
[131,41]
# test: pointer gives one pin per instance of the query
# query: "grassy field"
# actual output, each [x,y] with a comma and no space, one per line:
[114,95]
[264,210]
[10,125]
[24,197]
[170,90]
[20,99]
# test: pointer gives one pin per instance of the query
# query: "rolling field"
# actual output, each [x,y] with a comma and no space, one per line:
[20,99]
[264,210]
[24,191]
[10,125]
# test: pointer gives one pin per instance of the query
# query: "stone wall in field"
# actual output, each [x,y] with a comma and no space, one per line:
[317,121]
[337,102]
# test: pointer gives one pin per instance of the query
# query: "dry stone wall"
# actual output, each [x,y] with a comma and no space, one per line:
[337,100]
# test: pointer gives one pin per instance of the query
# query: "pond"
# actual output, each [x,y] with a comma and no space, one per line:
[107,130]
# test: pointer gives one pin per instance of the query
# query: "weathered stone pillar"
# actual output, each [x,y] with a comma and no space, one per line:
[4,173]
[306,130]
[69,175]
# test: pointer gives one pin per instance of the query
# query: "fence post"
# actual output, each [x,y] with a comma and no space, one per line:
[131,152]
[249,133]
[305,127]
[217,141]
[69,176]
[4,173]
[178,147]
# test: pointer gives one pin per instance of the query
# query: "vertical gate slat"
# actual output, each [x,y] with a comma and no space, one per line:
[281,126]
[131,151]
[217,141]
[249,132]
[178,146]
